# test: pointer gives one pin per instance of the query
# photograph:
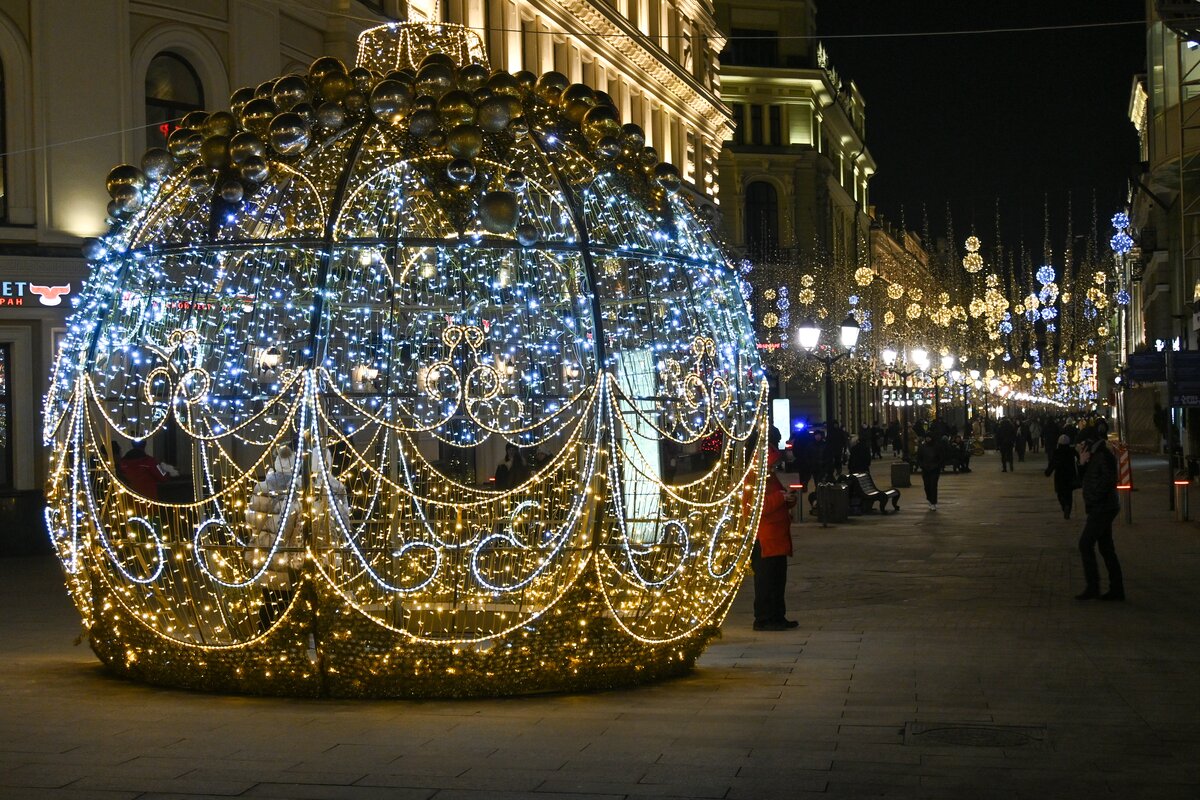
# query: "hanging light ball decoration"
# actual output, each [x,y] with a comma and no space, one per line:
[349,303]
[973,262]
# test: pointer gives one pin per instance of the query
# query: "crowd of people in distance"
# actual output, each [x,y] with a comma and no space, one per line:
[1077,456]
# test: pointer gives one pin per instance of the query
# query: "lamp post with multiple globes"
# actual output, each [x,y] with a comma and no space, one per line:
[809,335]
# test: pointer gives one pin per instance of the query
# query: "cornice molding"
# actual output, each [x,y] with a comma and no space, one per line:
[705,104]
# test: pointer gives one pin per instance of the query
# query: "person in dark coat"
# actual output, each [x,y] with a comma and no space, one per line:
[836,442]
[860,453]
[1064,466]
[1006,440]
[1022,440]
[822,458]
[1101,504]
[892,436]
[1050,435]
[930,458]
[876,440]
[772,548]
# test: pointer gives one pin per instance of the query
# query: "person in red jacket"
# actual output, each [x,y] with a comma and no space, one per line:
[773,546]
[140,471]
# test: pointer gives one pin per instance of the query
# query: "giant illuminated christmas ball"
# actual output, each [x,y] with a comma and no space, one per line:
[459,386]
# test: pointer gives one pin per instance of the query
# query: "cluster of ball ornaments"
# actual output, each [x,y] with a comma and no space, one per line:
[455,109]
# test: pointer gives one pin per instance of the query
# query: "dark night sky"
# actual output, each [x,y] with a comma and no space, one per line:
[969,119]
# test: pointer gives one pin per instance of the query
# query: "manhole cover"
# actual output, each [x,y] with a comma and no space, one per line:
[964,734]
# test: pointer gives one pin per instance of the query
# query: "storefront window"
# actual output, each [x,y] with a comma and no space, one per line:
[6,455]
[172,90]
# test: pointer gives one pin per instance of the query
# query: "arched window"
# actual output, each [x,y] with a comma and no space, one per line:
[762,218]
[172,90]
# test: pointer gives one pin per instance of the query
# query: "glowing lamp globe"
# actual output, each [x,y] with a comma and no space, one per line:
[460,388]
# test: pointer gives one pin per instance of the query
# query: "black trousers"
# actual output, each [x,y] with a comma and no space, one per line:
[930,478]
[1066,500]
[1006,454]
[770,579]
[1098,535]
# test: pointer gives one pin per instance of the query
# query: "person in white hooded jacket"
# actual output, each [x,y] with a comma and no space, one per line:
[273,525]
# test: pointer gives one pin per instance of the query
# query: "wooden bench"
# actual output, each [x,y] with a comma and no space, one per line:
[862,486]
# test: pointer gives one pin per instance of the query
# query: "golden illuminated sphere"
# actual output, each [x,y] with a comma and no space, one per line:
[895,291]
[863,276]
[576,100]
[806,296]
[465,141]
[1101,277]
[770,319]
[915,293]
[943,298]
[889,318]
[972,262]
[498,212]
[769,294]
[913,311]
[807,280]
[378,308]
[973,244]
[600,122]
[219,123]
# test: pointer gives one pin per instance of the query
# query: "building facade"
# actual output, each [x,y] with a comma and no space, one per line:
[87,86]
[1162,270]
[795,175]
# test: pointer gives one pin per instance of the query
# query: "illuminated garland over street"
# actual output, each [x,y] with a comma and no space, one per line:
[344,298]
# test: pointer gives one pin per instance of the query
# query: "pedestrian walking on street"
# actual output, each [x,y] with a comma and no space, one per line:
[773,545]
[1064,466]
[930,460]
[1006,440]
[1101,504]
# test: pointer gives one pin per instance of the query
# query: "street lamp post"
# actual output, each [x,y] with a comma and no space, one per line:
[946,363]
[919,360]
[810,337]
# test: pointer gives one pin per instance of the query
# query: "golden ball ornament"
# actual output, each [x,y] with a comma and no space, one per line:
[423,122]
[355,103]
[323,67]
[289,91]
[461,171]
[214,152]
[576,100]
[498,212]
[551,85]
[472,77]
[497,111]
[465,141]
[363,79]
[220,123]
[122,177]
[184,144]
[157,163]
[506,84]
[331,116]
[390,101]
[244,145]
[599,122]
[632,136]
[667,176]
[518,127]
[254,170]
[455,108]
[516,181]
[288,134]
[239,99]
[257,115]
[335,86]
[194,120]
[434,79]
[527,234]
[232,191]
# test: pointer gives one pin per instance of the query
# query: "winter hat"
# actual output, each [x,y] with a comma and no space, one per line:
[1064,439]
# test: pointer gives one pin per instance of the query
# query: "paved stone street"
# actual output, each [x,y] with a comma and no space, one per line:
[939,654]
